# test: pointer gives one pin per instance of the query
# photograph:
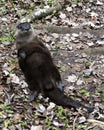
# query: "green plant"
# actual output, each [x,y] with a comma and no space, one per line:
[88,63]
[48,122]
[35,116]
[61,113]
[2,2]
[7,108]
[32,6]
[9,38]
[23,123]
[85,92]
[7,123]
[81,127]
[50,1]
[76,1]
[3,9]
[1,114]
[102,97]
[54,128]
[62,69]
[42,3]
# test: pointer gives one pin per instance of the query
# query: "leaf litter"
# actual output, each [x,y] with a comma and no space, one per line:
[82,74]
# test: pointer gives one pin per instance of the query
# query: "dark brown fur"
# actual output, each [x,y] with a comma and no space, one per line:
[40,72]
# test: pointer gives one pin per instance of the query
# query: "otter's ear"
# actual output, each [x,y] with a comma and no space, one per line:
[25,26]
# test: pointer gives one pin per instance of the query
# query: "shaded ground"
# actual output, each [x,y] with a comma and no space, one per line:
[82,73]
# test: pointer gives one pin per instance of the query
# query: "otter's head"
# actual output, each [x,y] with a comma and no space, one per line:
[25,26]
[24,34]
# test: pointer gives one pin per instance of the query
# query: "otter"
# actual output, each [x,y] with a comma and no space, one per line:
[41,74]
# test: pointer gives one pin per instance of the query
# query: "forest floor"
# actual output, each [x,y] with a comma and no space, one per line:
[79,56]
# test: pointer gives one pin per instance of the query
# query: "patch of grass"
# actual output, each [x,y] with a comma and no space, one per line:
[11,61]
[12,3]
[3,10]
[9,38]
[97,91]
[76,1]
[2,2]
[51,2]
[88,63]
[7,123]
[1,114]
[54,128]
[32,6]
[81,127]
[7,108]
[35,116]
[85,92]
[62,115]
[102,97]
[42,4]
[48,122]
[62,69]
[23,123]
[2,7]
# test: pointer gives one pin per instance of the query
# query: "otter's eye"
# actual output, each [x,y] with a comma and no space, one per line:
[24,26]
